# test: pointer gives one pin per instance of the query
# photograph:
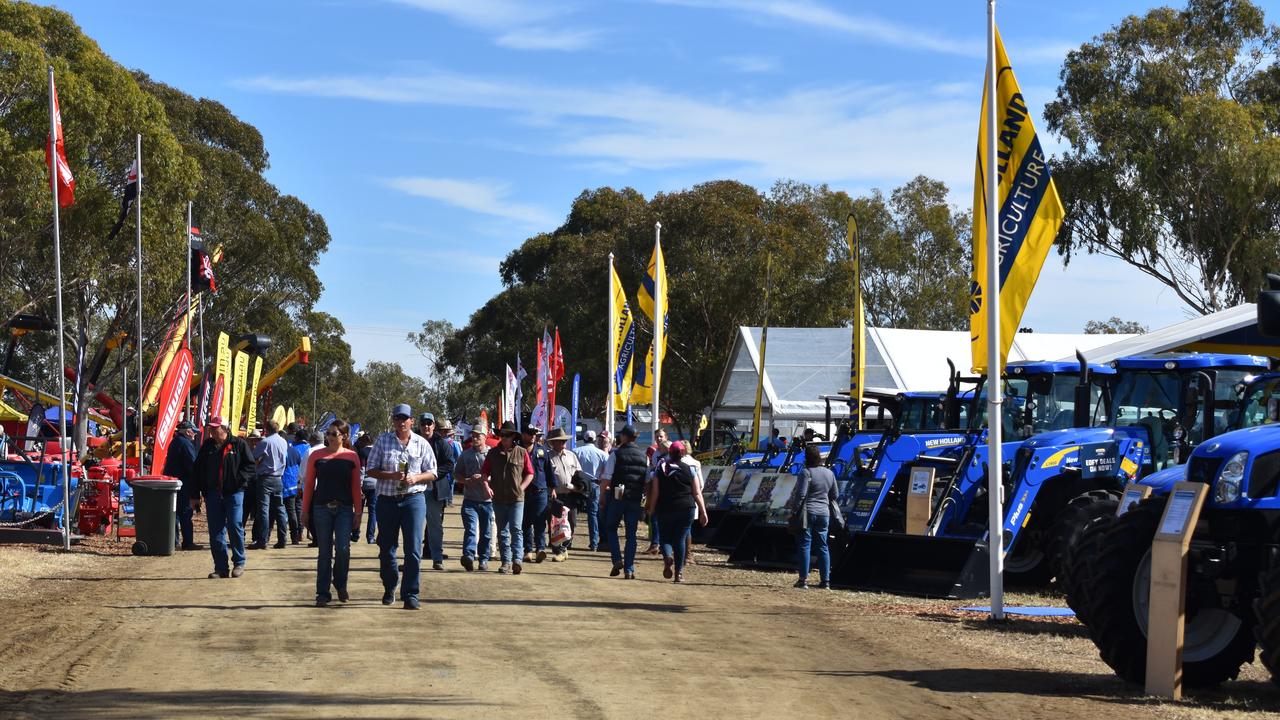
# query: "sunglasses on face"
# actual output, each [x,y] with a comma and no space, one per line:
[333,433]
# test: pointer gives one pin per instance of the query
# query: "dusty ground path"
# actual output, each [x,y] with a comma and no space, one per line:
[122,637]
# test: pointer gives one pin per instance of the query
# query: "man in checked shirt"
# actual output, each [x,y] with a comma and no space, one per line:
[404,466]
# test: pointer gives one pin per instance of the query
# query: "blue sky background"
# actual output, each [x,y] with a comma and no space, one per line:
[436,135]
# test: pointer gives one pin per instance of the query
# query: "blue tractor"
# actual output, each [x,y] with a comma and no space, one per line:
[1233,584]
[1039,396]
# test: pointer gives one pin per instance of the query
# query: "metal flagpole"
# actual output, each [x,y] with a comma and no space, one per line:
[138,336]
[659,312]
[62,358]
[613,353]
[189,290]
[756,426]
[995,475]
[124,442]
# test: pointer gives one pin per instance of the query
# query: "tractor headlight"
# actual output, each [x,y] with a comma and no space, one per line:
[1227,489]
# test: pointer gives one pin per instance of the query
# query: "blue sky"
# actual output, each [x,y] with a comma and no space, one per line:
[436,135]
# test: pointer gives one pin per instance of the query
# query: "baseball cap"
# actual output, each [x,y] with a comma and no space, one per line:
[215,421]
[186,425]
[589,436]
[627,431]
[401,409]
[426,417]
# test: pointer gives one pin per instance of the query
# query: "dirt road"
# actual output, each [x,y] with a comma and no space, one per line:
[122,637]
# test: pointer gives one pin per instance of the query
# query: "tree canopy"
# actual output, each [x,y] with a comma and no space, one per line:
[193,149]
[1174,161]
[715,238]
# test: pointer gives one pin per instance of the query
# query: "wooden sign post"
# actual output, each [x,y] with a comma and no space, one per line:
[1133,494]
[1166,611]
[919,500]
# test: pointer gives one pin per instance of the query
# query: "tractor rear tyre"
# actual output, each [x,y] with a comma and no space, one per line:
[1068,529]
[1078,585]
[1217,642]
[1267,610]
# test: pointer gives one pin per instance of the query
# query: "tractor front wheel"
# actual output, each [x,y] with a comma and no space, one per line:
[1069,527]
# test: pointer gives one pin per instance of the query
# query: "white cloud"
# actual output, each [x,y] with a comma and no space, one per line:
[515,25]
[753,64]
[815,15]
[479,197]
[541,38]
[846,132]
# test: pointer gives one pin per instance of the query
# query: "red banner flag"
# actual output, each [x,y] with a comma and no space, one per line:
[173,395]
[66,182]
[557,359]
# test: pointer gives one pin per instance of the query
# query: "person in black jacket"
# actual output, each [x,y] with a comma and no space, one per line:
[178,464]
[223,468]
[439,493]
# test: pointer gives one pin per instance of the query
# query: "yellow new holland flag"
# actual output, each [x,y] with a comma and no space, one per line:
[858,349]
[623,343]
[652,297]
[1030,213]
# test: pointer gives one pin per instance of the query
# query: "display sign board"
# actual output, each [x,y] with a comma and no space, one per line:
[919,500]
[713,484]
[1168,600]
[782,499]
[1133,494]
[1099,459]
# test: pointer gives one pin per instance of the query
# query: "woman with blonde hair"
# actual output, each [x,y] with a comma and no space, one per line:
[331,501]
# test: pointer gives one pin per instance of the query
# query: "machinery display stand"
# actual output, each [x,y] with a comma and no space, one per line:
[919,500]
[1166,613]
[1133,494]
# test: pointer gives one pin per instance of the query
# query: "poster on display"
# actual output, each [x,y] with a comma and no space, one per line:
[733,493]
[711,476]
[750,486]
[782,500]
[758,501]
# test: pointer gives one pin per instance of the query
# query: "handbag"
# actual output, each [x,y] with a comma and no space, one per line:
[581,482]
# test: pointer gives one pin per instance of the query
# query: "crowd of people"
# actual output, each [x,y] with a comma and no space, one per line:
[523,495]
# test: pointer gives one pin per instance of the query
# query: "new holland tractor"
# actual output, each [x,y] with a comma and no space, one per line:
[1077,438]
[1233,567]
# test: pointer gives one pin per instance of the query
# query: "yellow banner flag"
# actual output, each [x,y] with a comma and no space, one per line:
[623,343]
[642,382]
[252,389]
[238,388]
[1030,213]
[222,371]
[653,302]
[858,350]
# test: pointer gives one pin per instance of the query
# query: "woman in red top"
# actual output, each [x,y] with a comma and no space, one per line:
[331,500]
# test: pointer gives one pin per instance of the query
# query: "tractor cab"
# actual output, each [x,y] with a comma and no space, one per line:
[1175,401]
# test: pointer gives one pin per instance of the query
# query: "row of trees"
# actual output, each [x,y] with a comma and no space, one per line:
[193,149]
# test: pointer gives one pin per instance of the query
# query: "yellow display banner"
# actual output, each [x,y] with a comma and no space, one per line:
[222,371]
[1029,216]
[252,422]
[858,349]
[238,388]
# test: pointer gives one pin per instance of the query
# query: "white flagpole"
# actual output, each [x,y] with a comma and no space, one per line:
[189,288]
[613,353]
[54,172]
[138,337]
[659,312]
[995,475]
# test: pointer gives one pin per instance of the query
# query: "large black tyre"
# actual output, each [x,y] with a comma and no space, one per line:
[1217,643]
[1267,611]
[1068,529]
[1079,584]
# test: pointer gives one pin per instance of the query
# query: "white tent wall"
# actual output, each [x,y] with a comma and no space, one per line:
[804,364]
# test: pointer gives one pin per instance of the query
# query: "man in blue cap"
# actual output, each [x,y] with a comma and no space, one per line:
[403,464]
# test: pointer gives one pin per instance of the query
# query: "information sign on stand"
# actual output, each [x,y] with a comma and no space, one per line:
[1166,612]
[919,500]
[1133,494]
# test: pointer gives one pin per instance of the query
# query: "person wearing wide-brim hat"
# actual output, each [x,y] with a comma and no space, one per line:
[536,496]
[562,467]
[477,503]
[509,472]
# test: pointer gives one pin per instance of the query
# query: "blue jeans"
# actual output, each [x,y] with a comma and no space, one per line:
[535,521]
[593,517]
[619,511]
[435,528]
[815,536]
[371,507]
[185,514]
[225,528]
[510,539]
[475,524]
[270,506]
[333,536]
[674,526]
[401,517]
